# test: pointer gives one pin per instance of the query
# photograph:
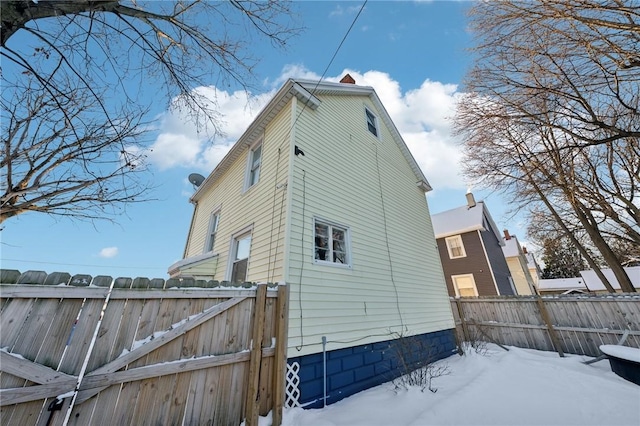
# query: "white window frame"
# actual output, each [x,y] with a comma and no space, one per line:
[233,247]
[455,285]
[252,167]
[214,222]
[376,122]
[458,239]
[347,241]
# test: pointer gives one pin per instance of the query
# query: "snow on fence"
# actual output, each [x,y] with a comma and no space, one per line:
[93,350]
[563,323]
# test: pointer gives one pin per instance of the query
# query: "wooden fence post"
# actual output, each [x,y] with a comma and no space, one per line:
[465,332]
[280,362]
[256,356]
[547,320]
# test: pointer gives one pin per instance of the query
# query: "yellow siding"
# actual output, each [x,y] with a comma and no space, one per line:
[522,280]
[396,284]
[261,206]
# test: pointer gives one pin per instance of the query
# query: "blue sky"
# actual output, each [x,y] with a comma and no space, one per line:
[413,54]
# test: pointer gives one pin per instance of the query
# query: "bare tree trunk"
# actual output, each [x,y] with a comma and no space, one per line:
[591,228]
[583,251]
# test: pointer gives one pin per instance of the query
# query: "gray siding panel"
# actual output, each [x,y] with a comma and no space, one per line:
[498,262]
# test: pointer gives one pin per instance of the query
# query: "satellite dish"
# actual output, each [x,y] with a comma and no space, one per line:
[196,179]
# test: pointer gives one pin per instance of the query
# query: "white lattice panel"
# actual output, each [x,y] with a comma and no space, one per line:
[292,389]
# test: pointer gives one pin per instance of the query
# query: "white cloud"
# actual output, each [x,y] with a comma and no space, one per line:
[185,140]
[108,252]
[340,11]
[422,115]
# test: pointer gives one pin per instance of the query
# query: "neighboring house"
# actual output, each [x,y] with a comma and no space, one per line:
[534,268]
[588,282]
[518,265]
[561,286]
[470,248]
[593,283]
[322,193]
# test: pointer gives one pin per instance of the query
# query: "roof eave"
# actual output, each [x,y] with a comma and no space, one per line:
[257,126]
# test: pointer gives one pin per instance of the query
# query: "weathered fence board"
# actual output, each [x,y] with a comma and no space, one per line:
[197,355]
[571,324]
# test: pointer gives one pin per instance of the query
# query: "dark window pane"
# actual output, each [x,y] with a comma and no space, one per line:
[239,272]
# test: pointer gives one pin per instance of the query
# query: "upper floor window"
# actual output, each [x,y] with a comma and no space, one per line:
[331,243]
[255,160]
[455,247]
[212,231]
[372,122]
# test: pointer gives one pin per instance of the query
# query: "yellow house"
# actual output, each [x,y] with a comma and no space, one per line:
[321,193]
[518,265]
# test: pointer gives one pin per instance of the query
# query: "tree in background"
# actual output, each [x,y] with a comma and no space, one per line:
[561,259]
[627,253]
[76,90]
[553,118]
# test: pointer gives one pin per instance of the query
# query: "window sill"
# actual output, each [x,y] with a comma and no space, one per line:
[247,189]
[332,264]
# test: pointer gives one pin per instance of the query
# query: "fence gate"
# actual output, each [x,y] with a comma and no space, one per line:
[147,356]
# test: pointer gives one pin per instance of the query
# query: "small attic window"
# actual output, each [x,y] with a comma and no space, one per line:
[372,122]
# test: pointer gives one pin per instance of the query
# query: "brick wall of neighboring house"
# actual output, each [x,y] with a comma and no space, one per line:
[354,369]
[474,263]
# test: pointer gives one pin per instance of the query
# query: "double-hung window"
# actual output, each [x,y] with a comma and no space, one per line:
[372,122]
[240,257]
[213,230]
[331,243]
[464,285]
[255,161]
[455,247]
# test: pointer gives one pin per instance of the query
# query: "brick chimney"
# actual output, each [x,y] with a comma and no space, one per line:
[524,250]
[347,79]
[507,236]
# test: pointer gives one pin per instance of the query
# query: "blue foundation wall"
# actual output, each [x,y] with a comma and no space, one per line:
[354,369]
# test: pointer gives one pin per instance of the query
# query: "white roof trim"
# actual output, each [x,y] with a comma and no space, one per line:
[255,129]
[460,231]
[444,223]
[190,261]
[305,91]
[352,89]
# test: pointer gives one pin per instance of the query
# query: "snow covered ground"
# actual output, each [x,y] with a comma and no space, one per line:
[519,387]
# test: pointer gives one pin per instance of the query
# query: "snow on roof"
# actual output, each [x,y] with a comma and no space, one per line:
[464,219]
[562,284]
[593,283]
[511,247]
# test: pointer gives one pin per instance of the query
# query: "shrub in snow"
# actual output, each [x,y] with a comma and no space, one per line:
[415,360]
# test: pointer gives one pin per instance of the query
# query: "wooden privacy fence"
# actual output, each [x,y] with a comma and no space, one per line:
[134,352]
[571,324]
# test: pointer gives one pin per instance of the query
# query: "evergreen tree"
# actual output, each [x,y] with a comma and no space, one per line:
[561,259]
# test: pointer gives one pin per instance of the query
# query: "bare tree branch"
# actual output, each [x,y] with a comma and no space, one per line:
[76,92]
